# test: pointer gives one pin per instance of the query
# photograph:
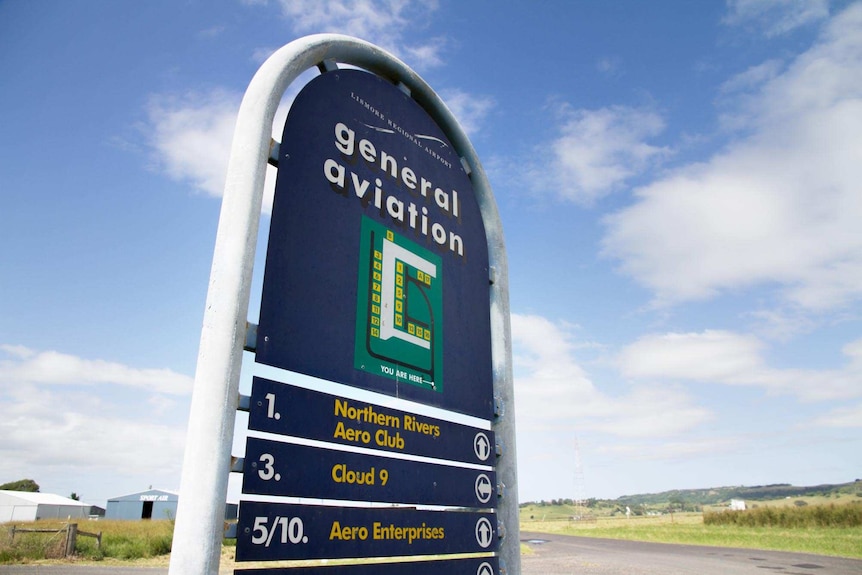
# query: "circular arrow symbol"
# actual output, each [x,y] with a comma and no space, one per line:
[485,569]
[481,446]
[484,531]
[483,488]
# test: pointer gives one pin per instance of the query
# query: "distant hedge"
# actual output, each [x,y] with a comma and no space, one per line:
[789,517]
[21,485]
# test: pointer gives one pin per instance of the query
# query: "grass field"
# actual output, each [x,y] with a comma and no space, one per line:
[836,499]
[148,542]
[122,540]
[688,528]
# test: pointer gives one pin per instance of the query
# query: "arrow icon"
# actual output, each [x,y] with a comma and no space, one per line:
[485,569]
[483,532]
[483,488]
[481,446]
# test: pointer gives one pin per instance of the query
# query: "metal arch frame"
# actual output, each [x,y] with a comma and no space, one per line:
[206,464]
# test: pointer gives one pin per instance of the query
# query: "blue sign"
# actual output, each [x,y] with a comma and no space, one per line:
[298,412]
[276,468]
[377,271]
[272,532]
[467,566]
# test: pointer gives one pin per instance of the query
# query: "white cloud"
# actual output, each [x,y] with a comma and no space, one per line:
[426,55]
[654,410]
[88,425]
[610,66]
[19,351]
[779,206]
[211,32]
[552,390]
[711,356]
[597,151]
[721,357]
[776,17]
[683,450]
[780,325]
[470,110]
[261,54]
[841,417]
[27,366]
[754,77]
[192,135]
[387,23]
[57,429]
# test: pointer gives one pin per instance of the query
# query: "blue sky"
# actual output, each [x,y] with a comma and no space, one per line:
[678,183]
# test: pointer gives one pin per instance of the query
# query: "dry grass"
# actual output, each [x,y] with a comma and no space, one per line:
[807,516]
[147,543]
[689,528]
[122,540]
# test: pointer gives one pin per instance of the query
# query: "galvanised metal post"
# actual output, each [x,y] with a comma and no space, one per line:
[206,465]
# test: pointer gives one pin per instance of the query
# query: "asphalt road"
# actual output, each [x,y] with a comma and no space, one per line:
[568,555]
[78,570]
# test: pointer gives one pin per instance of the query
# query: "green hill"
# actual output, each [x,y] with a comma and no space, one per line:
[717,495]
[696,498]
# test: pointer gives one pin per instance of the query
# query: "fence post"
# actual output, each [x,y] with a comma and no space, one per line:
[71,538]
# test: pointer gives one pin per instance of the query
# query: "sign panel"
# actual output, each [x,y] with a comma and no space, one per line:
[276,468]
[467,566]
[272,532]
[377,263]
[298,412]
[399,309]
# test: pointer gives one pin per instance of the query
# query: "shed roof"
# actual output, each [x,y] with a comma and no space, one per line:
[172,495]
[42,498]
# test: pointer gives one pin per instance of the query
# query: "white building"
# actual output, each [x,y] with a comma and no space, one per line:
[737,505]
[26,506]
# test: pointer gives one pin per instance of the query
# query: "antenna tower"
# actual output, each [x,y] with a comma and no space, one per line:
[580,498]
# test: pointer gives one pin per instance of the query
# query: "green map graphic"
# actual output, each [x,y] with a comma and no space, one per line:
[399,309]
